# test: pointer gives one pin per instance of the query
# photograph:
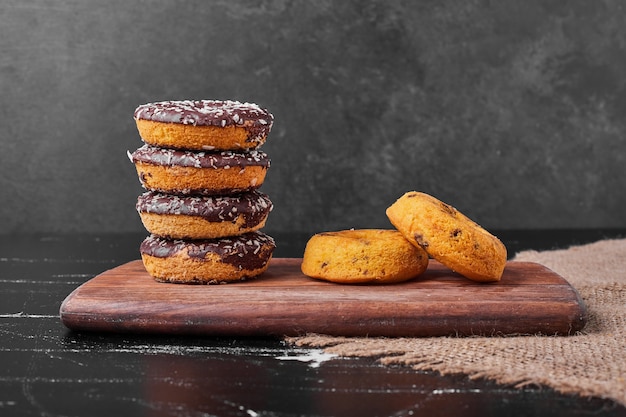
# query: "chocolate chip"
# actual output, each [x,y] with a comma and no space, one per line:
[448,209]
[419,238]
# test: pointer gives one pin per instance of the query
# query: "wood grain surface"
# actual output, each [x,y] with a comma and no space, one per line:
[530,299]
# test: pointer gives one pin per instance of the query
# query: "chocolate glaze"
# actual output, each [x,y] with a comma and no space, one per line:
[256,120]
[202,191]
[247,252]
[253,206]
[219,159]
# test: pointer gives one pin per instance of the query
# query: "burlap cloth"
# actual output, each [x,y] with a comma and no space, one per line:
[589,363]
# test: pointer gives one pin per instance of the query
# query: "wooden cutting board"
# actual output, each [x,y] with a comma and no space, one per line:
[530,299]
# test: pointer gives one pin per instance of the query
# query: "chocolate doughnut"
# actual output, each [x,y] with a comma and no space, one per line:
[207,261]
[203,217]
[207,173]
[203,124]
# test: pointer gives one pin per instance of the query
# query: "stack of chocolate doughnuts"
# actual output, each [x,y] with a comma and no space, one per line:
[202,167]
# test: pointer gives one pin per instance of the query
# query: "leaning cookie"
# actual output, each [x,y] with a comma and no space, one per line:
[449,236]
[206,173]
[211,261]
[203,124]
[363,256]
[203,217]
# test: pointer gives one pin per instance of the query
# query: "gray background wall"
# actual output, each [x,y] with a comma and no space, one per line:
[513,111]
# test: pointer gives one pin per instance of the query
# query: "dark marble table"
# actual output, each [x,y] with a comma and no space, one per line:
[47,370]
